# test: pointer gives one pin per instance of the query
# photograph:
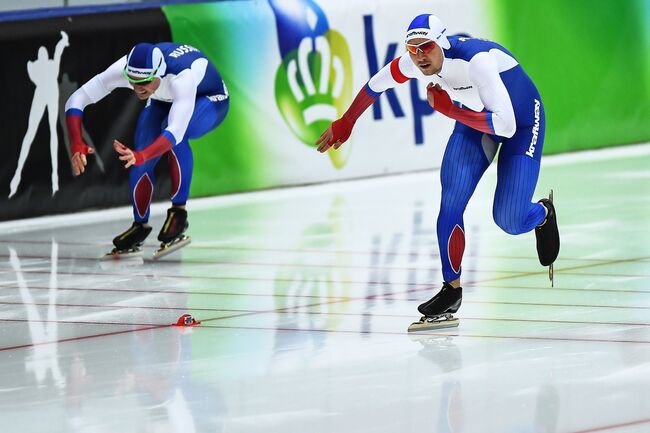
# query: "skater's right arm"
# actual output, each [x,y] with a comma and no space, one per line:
[93,91]
[399,71]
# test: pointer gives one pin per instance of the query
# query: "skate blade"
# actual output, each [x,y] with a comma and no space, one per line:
[127,255]
[425,324]
[550,267]
[170,248]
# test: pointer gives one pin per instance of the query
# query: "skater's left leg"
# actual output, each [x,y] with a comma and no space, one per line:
[518,171]
[207,115]
[513,210]
[517,174]
[180,161]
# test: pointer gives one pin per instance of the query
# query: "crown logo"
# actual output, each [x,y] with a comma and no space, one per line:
[313,87]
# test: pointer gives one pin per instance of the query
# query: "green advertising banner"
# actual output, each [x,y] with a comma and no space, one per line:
[590,60]
[234,35]
[293,66]
[290,70]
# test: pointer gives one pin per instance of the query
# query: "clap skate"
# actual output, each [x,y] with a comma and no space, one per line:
[438,311]
[127,244]
[172,235]
[548,237]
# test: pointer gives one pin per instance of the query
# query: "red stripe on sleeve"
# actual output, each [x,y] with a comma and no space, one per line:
[443,104]
[361,102]
[396,73]
[73,124]
[478,121]
[159,146]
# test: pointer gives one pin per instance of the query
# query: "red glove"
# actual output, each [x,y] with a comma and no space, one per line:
[341,129]
[336,134]
[441,100]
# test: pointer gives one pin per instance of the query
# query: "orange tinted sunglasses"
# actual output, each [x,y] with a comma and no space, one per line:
[425,47]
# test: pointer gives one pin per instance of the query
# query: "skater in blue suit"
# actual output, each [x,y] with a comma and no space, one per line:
[186,99]
[483,87]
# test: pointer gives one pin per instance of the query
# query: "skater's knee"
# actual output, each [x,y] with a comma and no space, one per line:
[509,220]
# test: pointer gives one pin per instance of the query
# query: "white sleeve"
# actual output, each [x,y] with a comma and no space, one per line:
[183,89]
[396,72]
[99,86]
[484,73]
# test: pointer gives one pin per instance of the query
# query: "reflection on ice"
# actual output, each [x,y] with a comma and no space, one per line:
[305,297]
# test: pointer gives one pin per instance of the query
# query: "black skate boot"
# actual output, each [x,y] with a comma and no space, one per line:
[447,300]
[437,312]
[548,237]
[171,234]
[128,243]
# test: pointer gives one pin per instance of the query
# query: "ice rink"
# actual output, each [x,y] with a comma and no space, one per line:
[305,295]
